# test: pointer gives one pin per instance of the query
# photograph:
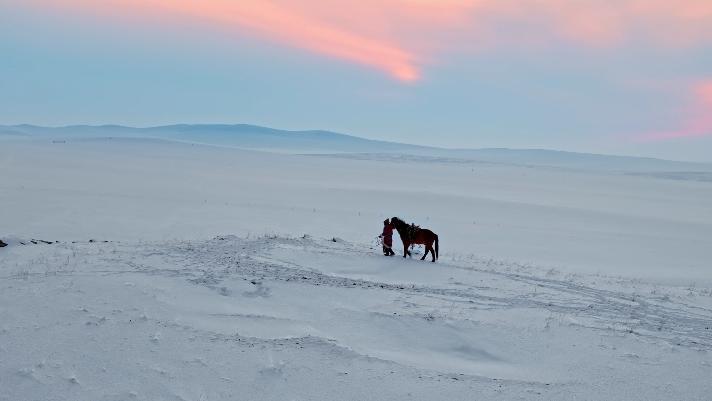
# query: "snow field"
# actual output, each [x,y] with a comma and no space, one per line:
[553,284]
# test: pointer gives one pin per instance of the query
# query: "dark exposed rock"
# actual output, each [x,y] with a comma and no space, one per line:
[2,244]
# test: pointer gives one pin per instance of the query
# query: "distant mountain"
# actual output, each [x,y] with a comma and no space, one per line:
[240,136]
[557,158]
[254,137]
[7,132]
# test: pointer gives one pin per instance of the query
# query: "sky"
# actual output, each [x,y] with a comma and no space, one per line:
[605,76]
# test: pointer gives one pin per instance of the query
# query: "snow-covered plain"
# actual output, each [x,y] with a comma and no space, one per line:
[235,274]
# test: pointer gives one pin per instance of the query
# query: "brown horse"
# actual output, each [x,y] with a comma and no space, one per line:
[412,234]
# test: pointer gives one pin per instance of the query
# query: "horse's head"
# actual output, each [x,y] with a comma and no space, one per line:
[396,221]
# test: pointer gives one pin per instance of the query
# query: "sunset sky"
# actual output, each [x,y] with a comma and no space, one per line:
[611,76]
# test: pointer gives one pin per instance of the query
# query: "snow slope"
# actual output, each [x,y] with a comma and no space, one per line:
[301,318]
[574,221]
[231,274]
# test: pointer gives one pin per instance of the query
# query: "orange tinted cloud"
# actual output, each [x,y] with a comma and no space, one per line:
[400,36]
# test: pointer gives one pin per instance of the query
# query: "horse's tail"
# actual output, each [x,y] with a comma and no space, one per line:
[436,246]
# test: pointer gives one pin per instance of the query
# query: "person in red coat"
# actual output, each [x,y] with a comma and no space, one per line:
[387,238]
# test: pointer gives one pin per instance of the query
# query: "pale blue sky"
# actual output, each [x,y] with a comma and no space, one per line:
[61,68]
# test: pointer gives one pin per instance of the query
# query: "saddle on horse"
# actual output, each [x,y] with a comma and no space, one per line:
[412,231]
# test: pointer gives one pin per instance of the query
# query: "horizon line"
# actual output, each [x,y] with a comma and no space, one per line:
[304,131]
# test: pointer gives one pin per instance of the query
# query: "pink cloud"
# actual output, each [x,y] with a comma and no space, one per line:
[698,120]
[400,37]
[291,25]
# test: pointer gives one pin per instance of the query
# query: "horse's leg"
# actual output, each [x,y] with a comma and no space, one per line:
[426,251]
[405,249]
[429,248]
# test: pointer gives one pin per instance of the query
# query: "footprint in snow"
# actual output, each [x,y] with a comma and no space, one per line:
[274,370]
[260,291]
